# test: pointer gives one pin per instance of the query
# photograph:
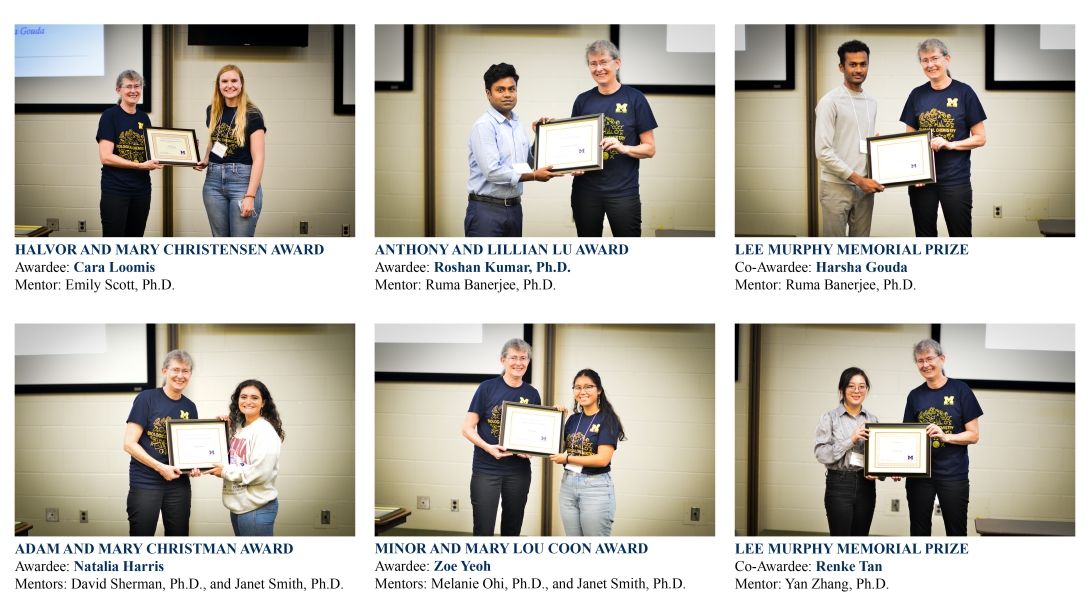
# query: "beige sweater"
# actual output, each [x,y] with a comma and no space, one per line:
[249,481]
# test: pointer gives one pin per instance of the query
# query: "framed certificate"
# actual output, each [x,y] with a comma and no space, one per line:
[531,428]
[170,146]
[897,450]
[901,159]
[196,443]
[570,144]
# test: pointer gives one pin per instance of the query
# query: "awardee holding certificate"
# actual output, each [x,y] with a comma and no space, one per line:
[839,443]
[587,501]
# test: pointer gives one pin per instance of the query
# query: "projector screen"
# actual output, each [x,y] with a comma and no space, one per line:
[1029,57]
[344,69]
[59,51]
[764,57]
[449,353]
[67,82]
[1010,356]
[667,59]
[80,358]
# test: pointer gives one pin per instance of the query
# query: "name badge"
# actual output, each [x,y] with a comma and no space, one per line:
[862,145]
[578,469]
[219,149]
[857,459]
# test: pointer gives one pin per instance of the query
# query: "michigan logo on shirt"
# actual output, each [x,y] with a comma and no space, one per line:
[524,400]
[595,427]
[948,401]
[952,102]
[185,414]
[622,107]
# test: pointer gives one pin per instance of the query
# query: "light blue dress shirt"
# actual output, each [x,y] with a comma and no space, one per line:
[496,144]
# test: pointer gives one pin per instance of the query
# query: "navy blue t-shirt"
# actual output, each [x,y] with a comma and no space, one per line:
[487,404]
[583,434]
[225,133]
[627,115]
[950,407]
[151,410]
[948,113]
[127,133]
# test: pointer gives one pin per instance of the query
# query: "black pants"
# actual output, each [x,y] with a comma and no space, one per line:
[957,208]
[486,492]
[124,215]
[953,500]
[849,502]
[144,505]
[590,211]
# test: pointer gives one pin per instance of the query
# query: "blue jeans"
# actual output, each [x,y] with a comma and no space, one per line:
[225,186]
[587,504]
[258,522]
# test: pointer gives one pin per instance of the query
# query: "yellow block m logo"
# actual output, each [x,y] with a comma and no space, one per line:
[952,102]
[948,401]
[623,108]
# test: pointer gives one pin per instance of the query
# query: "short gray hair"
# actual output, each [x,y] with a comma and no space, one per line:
[932,43]
[518,345]
[601,46]
[180,356]
[936,45]
[926,345]
[131,75]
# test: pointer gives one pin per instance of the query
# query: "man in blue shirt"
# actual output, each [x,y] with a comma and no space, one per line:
[500,159]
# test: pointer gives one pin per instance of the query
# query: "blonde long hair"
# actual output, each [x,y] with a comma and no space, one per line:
[245,107]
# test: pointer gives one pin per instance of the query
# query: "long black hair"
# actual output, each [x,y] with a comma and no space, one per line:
[609,416]
[238,420]
[846,379]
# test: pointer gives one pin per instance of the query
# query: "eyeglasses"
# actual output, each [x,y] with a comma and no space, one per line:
[519,360]
[930,60]
[928,360]
[584,388]
[176,371]
[602,64]
[857,388]
[130,87]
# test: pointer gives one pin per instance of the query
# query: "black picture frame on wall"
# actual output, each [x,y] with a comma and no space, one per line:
[108,97]
[339,107]
[406,84]
[656,88]
[789,64]
[992,84]
[443,377]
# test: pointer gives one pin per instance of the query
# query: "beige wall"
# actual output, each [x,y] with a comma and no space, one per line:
[661,380]
[1030,154]
[677,185]
[68,447]
[1022,468]
[310,152]
[770,156]
[399,153]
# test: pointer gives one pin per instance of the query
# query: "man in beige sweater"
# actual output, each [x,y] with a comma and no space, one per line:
[845,118]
